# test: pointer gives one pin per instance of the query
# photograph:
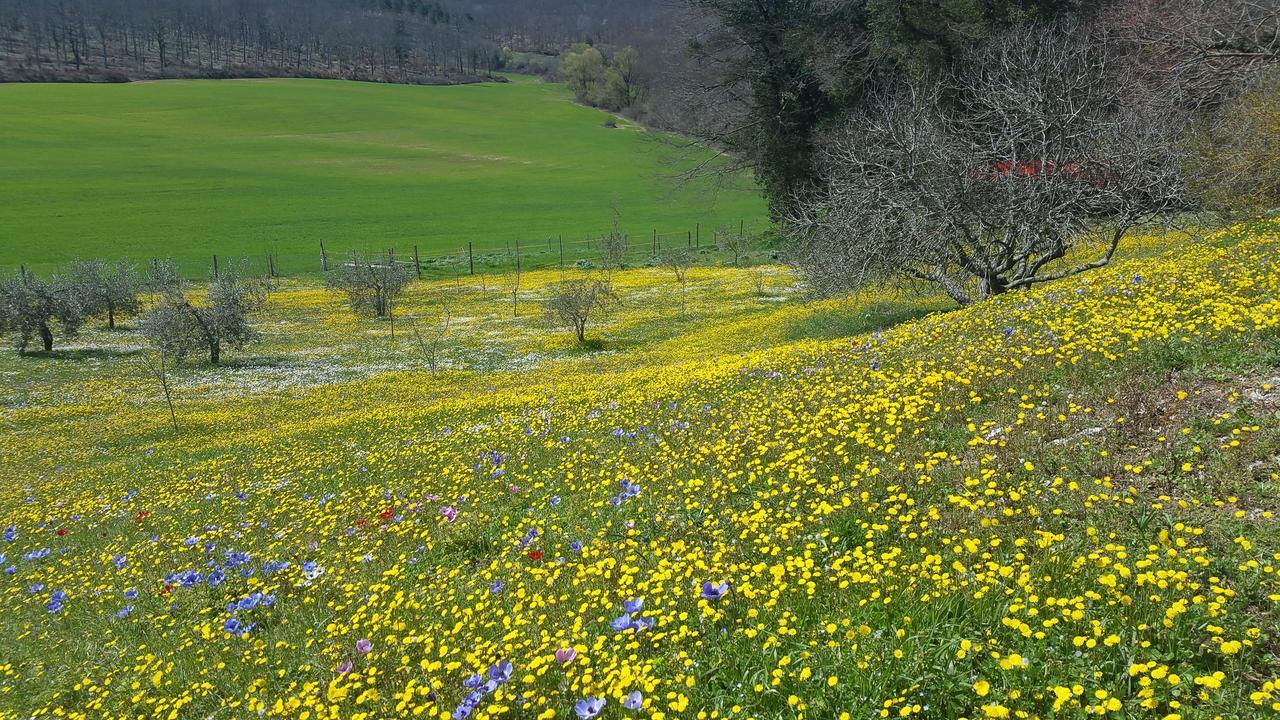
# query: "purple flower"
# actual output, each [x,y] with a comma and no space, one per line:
[564,656]
[448,513]
[621,623]
[712,591]
[501,671]
[588,708]
[344,667]
[634,701]
[634,605]
[364,646]
[496,586]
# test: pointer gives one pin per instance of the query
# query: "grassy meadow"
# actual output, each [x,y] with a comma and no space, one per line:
[737,504]
[243,168]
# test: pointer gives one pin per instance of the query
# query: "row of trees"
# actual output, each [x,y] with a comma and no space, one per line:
[389,40]
[178,322]
[179,319]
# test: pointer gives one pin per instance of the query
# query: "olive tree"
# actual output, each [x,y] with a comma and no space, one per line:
[371,283]
[31,308]
[573,302]
[987,180]
[105,288]
[180,324]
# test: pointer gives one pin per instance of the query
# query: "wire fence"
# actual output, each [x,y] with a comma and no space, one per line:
[472,257]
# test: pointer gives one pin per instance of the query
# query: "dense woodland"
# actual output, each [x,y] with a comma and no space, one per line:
[416,41]
[392,40]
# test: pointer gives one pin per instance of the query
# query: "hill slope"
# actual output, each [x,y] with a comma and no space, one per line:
[188,169]
[1054,501]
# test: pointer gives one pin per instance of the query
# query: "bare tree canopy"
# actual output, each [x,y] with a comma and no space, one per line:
[986,180]
[1198,52]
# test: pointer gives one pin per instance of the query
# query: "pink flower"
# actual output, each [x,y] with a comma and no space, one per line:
[363,646]
[448,513]
[564,656]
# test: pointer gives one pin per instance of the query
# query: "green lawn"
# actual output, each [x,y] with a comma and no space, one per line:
[187,169]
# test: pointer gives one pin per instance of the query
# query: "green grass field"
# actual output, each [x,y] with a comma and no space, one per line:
[242,168]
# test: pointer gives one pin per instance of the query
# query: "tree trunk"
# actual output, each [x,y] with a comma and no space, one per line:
[46,337]
[111,318]
[991,285]
[215,351]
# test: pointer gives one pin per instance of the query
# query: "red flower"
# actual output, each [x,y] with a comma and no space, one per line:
[166,590]
[385,514]
[362,522]
[535,555]
[62,531]
[142,515]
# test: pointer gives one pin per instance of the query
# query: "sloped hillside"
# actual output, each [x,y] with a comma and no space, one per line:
[1054,503]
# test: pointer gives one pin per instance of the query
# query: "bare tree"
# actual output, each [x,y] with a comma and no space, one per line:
[573,302]
[104,287]
[759,281]
[432,344]
[614,248]
[1198,53]
[983,183]
[735,242]
[511,283]
[156,364]
[371,283]
[176,326]
[679,260]
[29,307]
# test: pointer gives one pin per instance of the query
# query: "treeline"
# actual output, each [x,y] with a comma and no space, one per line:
[549,26]
[411,41]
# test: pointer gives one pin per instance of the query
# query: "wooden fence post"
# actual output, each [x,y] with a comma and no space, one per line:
[271,266]
[324,259]
[471,260]
[215,267]
[561,252]
[416,264]
[697,238]
[517,255]
[655,241]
